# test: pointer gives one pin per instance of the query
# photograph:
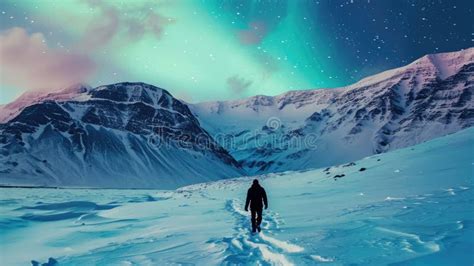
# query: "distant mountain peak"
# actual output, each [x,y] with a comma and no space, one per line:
[124,91]
[441,65]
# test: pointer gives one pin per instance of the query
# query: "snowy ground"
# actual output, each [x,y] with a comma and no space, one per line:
[410,207]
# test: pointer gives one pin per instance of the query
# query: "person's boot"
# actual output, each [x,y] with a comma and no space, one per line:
[259,229]
[254,230]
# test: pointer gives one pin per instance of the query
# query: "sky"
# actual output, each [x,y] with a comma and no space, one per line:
[220,50]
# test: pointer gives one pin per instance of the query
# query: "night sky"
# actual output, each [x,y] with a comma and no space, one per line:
[209,50]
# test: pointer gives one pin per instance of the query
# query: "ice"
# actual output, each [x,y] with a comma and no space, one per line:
[419,216]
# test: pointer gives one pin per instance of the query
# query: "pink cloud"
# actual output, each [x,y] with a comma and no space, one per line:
[27,62]
[255,33]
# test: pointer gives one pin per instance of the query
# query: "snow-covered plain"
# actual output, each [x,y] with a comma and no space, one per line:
[413,206]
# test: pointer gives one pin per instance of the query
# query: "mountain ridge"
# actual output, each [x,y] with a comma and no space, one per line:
[428,98]
[94,127]
[41,95]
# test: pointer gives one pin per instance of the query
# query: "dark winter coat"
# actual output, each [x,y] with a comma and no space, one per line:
[256,197]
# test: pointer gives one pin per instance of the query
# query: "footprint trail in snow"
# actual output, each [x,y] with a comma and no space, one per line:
[244,247]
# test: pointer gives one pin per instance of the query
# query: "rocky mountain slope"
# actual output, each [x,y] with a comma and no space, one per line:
[120,135]
[429,98]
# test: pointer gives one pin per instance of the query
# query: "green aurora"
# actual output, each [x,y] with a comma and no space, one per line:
[210,50]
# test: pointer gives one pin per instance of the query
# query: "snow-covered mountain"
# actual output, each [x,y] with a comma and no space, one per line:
[120,135]
[429,98]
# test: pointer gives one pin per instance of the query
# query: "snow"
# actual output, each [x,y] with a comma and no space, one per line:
[421,215]
[445,64]
[78,92]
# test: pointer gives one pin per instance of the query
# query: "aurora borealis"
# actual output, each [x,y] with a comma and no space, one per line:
[209,50]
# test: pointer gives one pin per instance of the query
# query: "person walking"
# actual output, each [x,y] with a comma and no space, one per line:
[256,199]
